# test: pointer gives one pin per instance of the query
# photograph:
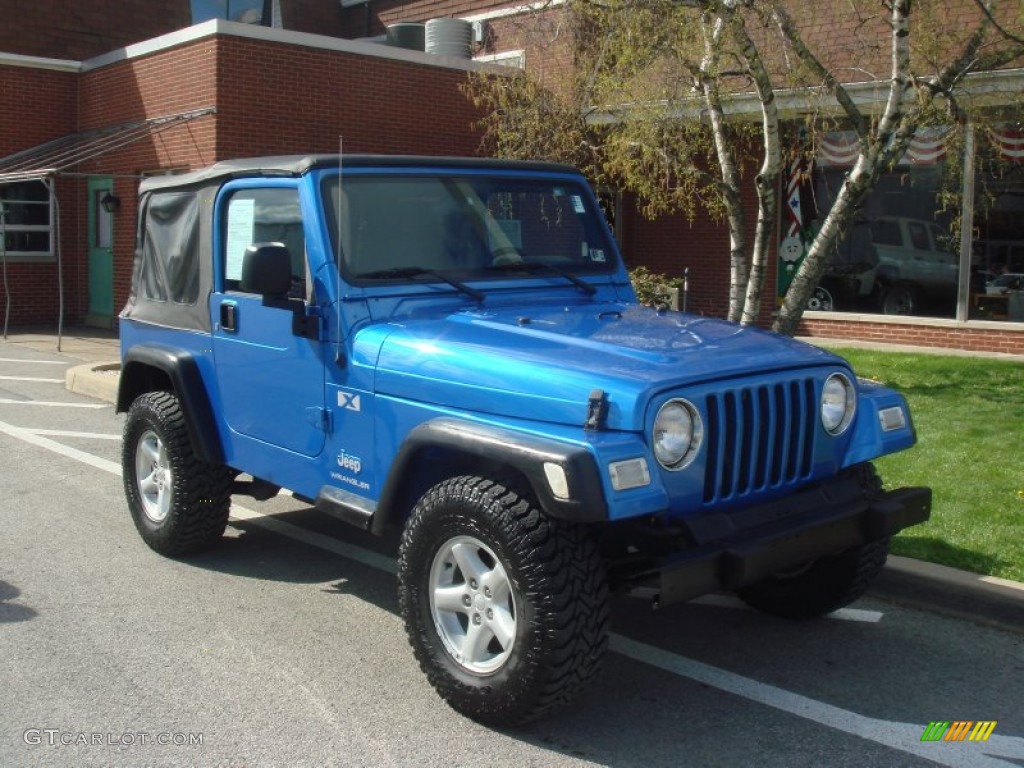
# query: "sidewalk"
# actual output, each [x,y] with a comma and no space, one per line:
[936,588]
[98,349]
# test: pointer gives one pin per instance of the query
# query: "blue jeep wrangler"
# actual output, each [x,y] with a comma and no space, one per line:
[451,348]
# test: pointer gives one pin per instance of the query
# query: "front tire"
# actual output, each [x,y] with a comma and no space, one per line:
[901,299]
[179,504]
[506,608]
[828,583]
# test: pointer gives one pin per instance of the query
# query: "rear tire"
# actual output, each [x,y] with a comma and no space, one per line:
[506,608]
[827,584]
[179,504]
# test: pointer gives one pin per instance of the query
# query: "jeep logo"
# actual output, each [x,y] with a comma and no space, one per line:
[352,463]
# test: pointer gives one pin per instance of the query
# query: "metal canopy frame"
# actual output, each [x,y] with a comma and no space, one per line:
[45,161]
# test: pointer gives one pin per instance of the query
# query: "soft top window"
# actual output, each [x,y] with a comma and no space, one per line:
[170,250]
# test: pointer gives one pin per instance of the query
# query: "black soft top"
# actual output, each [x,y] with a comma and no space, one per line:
[296,165]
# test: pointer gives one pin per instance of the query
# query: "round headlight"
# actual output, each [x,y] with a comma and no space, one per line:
[838,403]
[677,434]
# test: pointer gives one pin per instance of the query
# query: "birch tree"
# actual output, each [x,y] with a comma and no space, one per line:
[678,101]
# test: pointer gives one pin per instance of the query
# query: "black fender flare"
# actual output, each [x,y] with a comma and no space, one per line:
[523,452]
[179,367]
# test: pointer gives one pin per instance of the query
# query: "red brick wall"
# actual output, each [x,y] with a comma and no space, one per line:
[81,29]
[45,110]
[266,103]
[39,105]
[989,339]
[319,17]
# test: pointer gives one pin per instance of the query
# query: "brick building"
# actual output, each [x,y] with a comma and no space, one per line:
[87,131]
[107,92]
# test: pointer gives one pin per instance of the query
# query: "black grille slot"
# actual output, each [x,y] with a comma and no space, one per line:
[757,437]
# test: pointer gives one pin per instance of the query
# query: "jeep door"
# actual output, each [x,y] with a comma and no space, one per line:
[271,380]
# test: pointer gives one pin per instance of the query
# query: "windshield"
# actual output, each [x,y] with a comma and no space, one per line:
[396,227]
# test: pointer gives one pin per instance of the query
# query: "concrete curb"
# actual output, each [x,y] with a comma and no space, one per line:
[939,589]
[936,588]
[97,380]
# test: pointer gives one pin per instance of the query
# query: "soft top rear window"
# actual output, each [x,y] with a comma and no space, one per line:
[170,249]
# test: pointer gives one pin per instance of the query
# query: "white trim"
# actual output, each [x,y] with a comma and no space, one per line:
[215,27]
[515,10]
[39,62]
[504,59]
[997,88]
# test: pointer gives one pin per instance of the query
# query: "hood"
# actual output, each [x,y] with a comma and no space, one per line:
[543,363]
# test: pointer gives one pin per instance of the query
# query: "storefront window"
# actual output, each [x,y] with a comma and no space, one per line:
[997,259]
[25,215]
[898,256]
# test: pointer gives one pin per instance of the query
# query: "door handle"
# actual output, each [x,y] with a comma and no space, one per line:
[229,316]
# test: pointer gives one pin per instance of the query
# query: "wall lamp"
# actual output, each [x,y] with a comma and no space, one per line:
[110,202]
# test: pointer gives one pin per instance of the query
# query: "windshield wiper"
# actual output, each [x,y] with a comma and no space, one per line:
[399,273]
[538,266]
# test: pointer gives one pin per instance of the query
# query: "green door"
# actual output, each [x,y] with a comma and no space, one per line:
[101,254]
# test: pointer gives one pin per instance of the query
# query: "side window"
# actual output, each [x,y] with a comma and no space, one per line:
[918,236]
[270,215]
[886,232]
[170,251]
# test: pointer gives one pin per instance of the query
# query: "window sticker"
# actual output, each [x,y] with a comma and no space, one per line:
[577,204]
[241,215]
[597,254]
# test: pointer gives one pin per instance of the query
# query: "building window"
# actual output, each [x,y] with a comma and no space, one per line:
[26,213]
[997,257]
[898,257]
[245,11]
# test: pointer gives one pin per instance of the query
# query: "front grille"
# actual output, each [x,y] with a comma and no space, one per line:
[758,436]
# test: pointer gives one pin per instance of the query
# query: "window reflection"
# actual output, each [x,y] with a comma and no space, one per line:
[245,11]
[898,257]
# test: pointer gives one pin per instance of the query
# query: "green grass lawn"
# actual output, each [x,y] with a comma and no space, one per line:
[969,415]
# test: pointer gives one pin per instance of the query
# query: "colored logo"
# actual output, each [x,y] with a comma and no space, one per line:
[958,730]
[350,401]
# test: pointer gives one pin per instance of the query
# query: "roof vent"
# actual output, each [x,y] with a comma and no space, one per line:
[410,35]
[450,37]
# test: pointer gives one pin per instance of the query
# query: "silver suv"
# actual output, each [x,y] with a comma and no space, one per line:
[891,264]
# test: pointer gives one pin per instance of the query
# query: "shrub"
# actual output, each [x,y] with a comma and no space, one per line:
[653,289]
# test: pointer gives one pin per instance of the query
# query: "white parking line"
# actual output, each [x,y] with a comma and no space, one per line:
[66,433]
[32,378]
[352,552]
[8,401]
[728,601]
[905,737]
[34,362]
[28,436]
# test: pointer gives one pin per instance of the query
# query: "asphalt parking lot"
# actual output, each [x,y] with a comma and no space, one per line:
[283,646]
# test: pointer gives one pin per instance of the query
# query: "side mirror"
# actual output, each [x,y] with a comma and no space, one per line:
[266,269]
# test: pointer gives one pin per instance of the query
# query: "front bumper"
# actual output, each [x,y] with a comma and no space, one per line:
[740,548]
